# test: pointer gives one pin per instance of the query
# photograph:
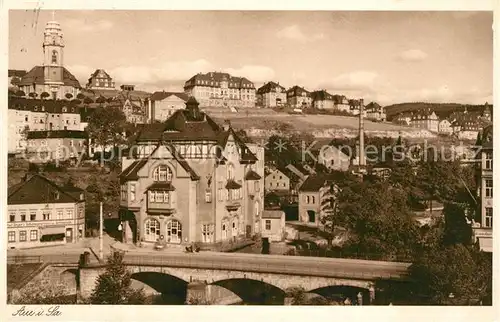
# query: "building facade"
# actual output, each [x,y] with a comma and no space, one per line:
[375,112]
[298,97]
[444,126]
[42,213]
[273,225]
[276,180]
[221,89]
[162,105]
[426,120]
[100,80]
[483,228]
[322,100]
[271,94]
[191,181]
[25,115]
[60,145]
[52,78]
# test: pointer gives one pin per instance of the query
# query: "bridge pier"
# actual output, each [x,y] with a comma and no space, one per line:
[197,293]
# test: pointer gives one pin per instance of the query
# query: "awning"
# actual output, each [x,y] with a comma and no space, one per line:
[252,175]
[231,184]
[53,230]
[486,244]
[161,186]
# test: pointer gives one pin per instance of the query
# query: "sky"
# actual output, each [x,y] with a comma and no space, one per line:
[387,57]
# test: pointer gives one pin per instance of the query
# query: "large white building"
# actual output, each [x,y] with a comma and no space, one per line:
[52,77]
[221,89]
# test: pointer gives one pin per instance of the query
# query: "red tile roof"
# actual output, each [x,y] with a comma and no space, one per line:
[213,79]
[37,76]
[158,96]
[40,190]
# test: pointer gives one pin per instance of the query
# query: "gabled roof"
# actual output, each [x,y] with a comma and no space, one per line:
[297,91]
[40,190]
[39,105]
[130,173]
[315,181]
[270,87]
[37,76]
[321,95]
[16,73]
[159,96]
[213,79]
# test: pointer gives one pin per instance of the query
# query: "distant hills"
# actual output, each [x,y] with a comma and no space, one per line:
[442,110]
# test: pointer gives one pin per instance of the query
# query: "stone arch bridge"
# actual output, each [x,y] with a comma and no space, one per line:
[255,279]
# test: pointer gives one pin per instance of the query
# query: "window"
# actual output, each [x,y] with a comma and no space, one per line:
[307,199]
[207,233]
[230,172]
[151,196]
[124,192]
[12,216]
[208,196]
[174,231]
[313,201]
[46,216]
[132,192]
[162,173]
[60,214]
[256,186]
[489,160]
[23,216]
[69,213]
[11,236]
[22,235]
[268,224]
[34,235]
[54,57]
[151,230]
[488,217]
[489,188]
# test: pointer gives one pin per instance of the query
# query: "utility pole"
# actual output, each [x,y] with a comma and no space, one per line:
[101,257]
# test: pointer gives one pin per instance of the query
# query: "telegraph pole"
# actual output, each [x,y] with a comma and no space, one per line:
[101,257]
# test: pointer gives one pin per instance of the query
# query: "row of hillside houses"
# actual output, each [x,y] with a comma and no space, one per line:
[273,94]
[454,123]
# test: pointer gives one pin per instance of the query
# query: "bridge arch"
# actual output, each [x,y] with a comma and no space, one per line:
[172,289]
[69,278]
[253,291]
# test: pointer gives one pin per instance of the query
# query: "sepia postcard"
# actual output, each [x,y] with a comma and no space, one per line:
[307,154]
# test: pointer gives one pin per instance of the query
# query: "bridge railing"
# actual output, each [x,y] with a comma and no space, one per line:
[268,265]
[349,255]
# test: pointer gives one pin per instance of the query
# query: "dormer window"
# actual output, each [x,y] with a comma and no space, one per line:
[162,173]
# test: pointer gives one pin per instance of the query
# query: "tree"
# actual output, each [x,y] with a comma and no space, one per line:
[379,220]
[69,96]
[20,93]
[114,285]
[452,275]
[101,100]
[299,296]
[76,102]
[87,100]
[329,213]
[457,230]
[80,96]
[106,126]
[33,95]
[44,95]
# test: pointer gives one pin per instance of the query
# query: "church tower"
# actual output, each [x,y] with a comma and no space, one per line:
[53,53]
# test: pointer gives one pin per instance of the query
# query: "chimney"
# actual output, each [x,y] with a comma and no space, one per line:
[362,160]
[227,125]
